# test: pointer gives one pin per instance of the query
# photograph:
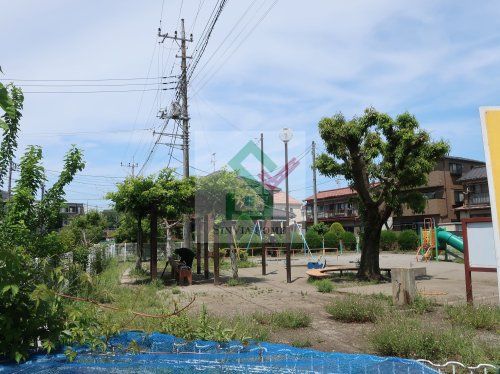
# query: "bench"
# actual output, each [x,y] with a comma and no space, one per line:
[323,273]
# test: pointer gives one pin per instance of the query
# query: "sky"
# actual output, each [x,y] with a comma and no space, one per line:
[268,65]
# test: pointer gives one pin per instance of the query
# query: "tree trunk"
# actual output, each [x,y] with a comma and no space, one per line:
[369,265]
[232,255]
[153,258]
[138,262]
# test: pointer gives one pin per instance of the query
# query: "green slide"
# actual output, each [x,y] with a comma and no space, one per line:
[444,237]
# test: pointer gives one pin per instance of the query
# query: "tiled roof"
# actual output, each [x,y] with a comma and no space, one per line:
[463,159]
[280,197]
[476,173]
[338,192]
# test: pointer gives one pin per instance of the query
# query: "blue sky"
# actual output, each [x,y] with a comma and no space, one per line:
[436,59]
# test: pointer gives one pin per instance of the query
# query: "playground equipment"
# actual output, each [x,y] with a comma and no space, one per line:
[433,238]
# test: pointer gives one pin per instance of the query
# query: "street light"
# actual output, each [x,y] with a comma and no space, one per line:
[286,135]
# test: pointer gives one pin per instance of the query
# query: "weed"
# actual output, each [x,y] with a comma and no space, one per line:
[422,305]
[236,282]
[324,285]
[356,308]
[301,343]
[289,319]
[481,317]
[412,338]
[176,290]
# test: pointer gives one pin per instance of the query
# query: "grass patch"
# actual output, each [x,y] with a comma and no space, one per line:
[289,319]
[422,305]
[242,264]
[324,285]
[236,282]
[301,343]
[357,308]
[176,290]
[480,317]
[412,338]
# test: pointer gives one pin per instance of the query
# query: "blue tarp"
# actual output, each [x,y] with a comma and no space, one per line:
[168,354]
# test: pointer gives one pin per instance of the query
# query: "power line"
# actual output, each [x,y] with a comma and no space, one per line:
[96,85]
[93,92]
[84,80]
[81,132]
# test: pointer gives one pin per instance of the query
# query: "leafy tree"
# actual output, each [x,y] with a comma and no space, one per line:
[28,246]
[313,239]
[321,228]
[384,159]
[160,196]
[337,228]
[216,190]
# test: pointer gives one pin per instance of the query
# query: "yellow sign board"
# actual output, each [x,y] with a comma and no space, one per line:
[490,124]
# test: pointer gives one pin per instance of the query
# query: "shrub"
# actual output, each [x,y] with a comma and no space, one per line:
[422,305]
[481,317]
[356,308]
[337,228]
[301,343]
[349,241]
[408,240]
[324,285]
[331,240]
[313,239]
[388,240]
[410,338]
[289,319]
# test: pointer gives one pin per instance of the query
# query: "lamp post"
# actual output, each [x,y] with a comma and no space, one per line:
[286,135]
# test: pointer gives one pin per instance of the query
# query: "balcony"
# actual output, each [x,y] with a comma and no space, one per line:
[335,214]
[479,198]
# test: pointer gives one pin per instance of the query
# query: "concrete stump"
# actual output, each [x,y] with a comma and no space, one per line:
[404,289]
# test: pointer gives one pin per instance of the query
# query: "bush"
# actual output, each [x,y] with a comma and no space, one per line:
[388,240]
[337,229]
[349,241]
[356,308]
[481,317]
[324,285]
[313,239]
[331,240]
[408,240]
[410,338]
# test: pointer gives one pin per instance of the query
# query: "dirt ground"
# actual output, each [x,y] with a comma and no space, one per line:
[444,282]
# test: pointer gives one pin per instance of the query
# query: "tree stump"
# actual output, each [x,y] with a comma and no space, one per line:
[404,289]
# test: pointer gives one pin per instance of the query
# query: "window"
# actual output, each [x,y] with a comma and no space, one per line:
[459,197]
[455,169]
[429,195]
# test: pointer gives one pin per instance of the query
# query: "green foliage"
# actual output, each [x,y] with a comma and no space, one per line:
[388,240]
[413,338]
[393,152]
[422,305]
[321,228]
[324,285]
[332,240]
[301,343]
[313,239]
[289,319]
[84,230]
[236,282]
[349,241]
[337,228]
[408,240]
[356,308]
[481,317]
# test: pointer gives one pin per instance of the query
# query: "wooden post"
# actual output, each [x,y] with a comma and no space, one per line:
[232,252]
[198,246]
[154,242]
[404,289]
[205,247]
[216,255]
[263,254]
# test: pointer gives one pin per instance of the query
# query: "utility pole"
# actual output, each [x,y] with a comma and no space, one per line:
[315,191]
[184,117]
[213,161]
[132,165]
[263,252]
[12,167]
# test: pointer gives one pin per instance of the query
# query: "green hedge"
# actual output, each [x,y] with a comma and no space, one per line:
[408,240]
[313,239]
[389,240]
[331,240]
[349,241]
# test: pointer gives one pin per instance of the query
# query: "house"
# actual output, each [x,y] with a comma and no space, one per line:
[443,191]
[476,198]
[70,210]
[279,207]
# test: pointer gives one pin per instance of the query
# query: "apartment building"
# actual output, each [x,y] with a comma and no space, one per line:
[444,193]
[476,198]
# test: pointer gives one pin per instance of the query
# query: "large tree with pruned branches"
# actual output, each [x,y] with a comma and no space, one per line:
[383,159]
